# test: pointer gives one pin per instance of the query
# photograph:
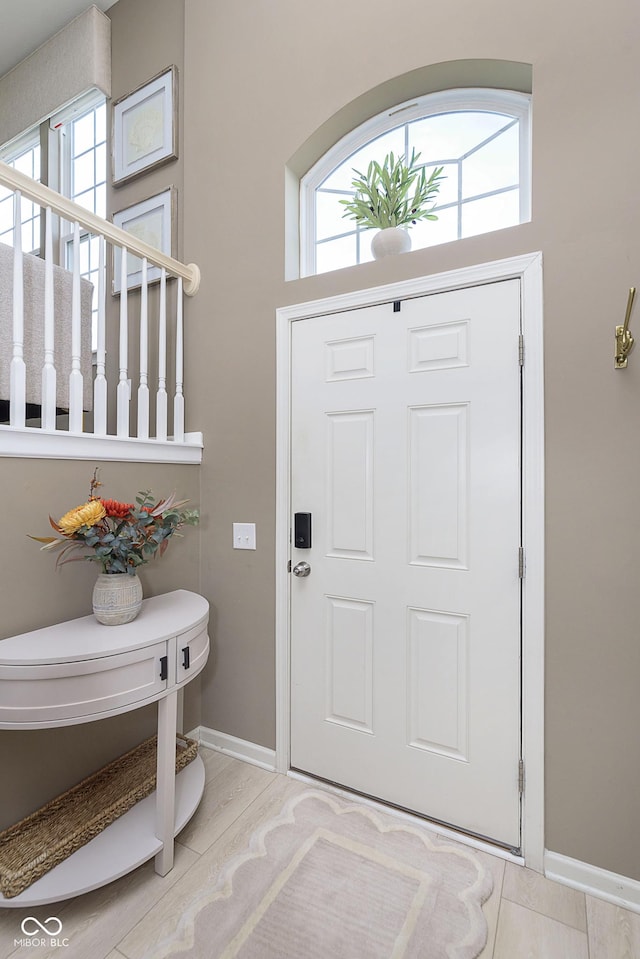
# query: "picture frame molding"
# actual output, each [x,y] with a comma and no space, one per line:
[165,82]
[168,201]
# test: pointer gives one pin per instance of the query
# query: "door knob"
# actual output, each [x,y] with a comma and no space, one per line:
[301,569]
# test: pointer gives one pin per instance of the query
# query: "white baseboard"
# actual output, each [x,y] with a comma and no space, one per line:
[238,748]
[619,890]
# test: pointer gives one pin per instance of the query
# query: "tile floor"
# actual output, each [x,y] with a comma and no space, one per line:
[529,917]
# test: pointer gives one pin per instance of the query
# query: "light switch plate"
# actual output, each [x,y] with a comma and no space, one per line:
[244,535]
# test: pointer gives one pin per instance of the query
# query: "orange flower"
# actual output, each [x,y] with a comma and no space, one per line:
[116,509]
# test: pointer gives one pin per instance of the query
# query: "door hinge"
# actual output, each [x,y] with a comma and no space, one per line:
[521,350]
[289,566]
[397,305]
[521,562]
[521,776]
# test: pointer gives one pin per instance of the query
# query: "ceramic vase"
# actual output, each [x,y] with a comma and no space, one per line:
[389,242]
[117,598]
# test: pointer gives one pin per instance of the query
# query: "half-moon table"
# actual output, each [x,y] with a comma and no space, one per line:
[81,671]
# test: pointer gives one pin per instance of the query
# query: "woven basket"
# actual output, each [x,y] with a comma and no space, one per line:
[42,840]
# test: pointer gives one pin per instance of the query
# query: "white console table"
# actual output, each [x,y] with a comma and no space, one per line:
[81,671]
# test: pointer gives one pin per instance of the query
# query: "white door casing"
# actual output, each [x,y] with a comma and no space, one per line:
[430,622]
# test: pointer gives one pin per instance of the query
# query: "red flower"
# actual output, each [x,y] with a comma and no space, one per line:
[115,509]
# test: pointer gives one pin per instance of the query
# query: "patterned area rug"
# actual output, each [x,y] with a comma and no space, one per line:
[329,879]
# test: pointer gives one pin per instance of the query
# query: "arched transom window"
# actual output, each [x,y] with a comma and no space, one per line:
[482,139]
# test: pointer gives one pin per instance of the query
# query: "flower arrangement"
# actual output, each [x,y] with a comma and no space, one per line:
[119,536]
[393,193]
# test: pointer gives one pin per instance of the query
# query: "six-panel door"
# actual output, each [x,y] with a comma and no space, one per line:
[405,647]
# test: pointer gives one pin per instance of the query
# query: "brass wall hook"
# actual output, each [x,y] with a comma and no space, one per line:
[624,340]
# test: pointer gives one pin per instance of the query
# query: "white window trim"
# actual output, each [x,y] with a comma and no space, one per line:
[92,98]
[26,141]
[509,102]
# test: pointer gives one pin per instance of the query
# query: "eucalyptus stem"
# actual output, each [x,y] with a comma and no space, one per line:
[394,193]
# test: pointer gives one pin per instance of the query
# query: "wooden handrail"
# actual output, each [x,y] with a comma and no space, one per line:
[46,197]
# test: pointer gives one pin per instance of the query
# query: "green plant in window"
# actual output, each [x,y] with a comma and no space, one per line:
[393,193]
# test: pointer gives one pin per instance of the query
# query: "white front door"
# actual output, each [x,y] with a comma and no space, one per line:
[405,636]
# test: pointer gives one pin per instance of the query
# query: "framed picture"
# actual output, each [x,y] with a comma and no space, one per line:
[145,127]
[153,221]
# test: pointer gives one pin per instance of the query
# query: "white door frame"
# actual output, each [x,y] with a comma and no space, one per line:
[528,269]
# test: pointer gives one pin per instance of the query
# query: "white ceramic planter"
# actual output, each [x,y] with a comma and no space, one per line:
[390,241]
[117,598]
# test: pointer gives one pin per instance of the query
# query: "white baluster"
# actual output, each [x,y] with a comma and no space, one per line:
[48,396]
[75,376]
[124,389]
[161,401]
[178,401]
[18,374]
[143,389]
[100,382]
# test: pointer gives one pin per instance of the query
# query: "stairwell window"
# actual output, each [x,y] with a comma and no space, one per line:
[482,139]
[77,138]
[84,161]
[25,157]
[77,167]
[85,157]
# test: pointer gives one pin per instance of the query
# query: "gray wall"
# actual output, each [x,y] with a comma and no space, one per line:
[258,79]
[40,764]
[146,37]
